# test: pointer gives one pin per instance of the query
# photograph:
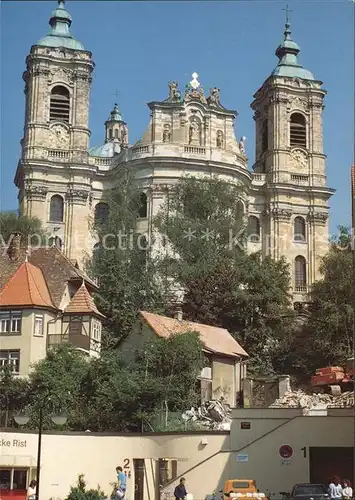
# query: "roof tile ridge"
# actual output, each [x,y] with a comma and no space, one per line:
[87,297]
[28,270]
[56,249]
[7,284]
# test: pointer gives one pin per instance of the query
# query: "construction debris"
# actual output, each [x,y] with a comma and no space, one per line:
[214,415]
[300,399]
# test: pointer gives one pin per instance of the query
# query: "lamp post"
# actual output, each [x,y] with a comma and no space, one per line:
[23,418]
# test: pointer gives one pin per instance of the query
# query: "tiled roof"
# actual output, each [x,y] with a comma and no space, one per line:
[26,287]
[215,340]
[83,303]
[57,269]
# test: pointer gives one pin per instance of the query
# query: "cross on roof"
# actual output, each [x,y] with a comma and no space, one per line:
[116,93]
[287,10]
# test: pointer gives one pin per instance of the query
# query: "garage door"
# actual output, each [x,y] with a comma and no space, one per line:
[326,462]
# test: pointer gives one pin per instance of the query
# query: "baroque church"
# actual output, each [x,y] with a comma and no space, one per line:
[62,180]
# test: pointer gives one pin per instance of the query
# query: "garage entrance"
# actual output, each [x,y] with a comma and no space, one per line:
[325,462]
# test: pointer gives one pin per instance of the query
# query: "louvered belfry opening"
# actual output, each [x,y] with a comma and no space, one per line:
[59,105]
[298,131]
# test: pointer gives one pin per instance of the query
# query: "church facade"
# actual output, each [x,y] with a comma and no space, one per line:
[62,180]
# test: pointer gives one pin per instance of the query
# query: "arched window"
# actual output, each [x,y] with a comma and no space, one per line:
[56,210]
[116,133]
[110,133]
[101,213]
[299,229]
[55,241]
[59,108]
[298,131]
[264,136]
[300,273]
[253,229]
[143,206]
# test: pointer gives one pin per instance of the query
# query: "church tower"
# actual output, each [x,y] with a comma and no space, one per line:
[290,162]
[54,174]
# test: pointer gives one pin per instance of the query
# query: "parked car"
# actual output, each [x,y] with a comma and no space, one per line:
[308,491]
[241,489]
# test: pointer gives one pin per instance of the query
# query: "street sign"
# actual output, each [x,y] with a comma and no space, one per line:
[286,451]
[242,457]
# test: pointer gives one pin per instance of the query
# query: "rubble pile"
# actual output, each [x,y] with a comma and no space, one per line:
[213,415]
[300,399]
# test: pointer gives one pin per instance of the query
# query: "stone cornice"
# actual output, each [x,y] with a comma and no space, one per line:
[35,192]
[77,196]
[317,218]
[42,166]
[161,189]
[186,164]
[279,214]
[299,188]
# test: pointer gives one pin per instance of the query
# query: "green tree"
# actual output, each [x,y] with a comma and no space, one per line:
[30,227]
[121,263]
[330,328]
[176,362]
[14,395]
[118,397]
[202,219]
[61,375]
[123,397]
[224,286]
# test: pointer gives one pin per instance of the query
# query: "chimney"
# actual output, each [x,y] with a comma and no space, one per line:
[13,250]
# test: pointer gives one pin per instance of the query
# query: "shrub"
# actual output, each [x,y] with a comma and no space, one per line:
[79,491]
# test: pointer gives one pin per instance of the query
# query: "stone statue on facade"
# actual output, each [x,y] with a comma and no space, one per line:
[124,136]
[214,97]
[174,93]
[194,133]
[242,145]
[166,134]
[219,139]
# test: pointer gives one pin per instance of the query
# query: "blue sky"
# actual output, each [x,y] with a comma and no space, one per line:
[139,46]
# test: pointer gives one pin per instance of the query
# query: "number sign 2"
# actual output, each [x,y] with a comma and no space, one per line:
[126,463]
